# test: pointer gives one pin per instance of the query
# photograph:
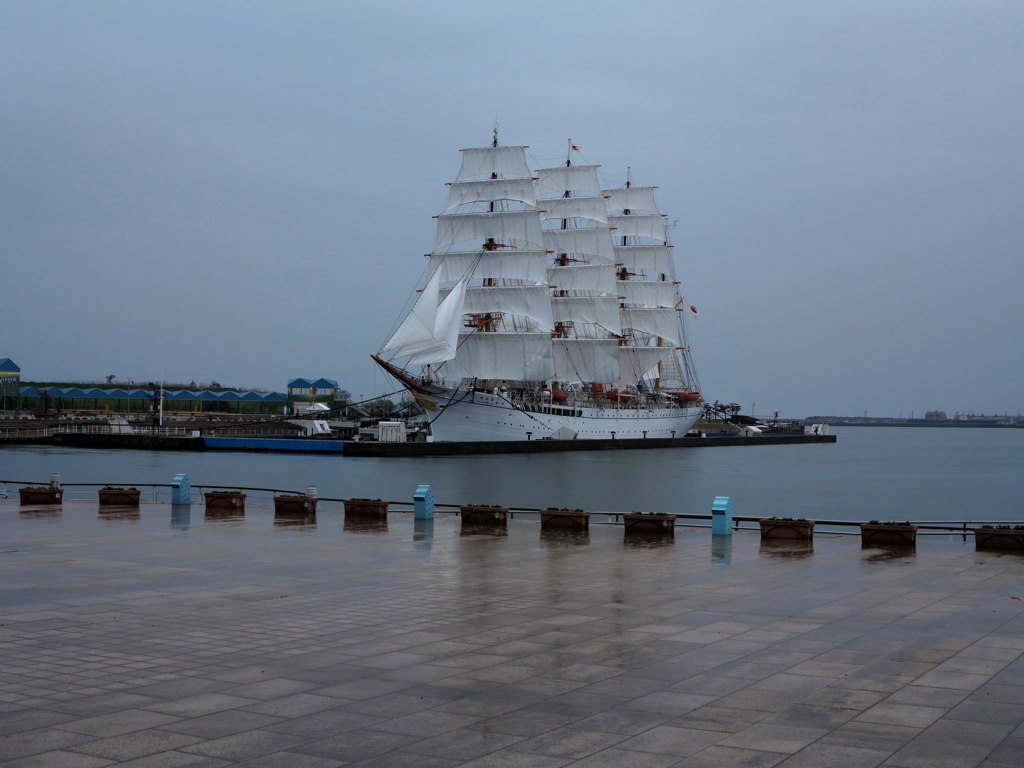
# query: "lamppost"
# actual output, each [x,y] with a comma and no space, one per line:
[131,383]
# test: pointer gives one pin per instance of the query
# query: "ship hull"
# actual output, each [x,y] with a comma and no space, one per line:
[470,416]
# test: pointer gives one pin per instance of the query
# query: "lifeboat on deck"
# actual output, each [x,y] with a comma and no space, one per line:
[557,395]
[687,397]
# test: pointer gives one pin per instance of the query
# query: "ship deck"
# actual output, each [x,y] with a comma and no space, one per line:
[163,637]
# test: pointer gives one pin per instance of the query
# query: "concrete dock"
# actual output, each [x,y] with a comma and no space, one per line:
[163,637]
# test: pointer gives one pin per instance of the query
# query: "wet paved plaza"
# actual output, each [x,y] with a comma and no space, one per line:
[165,638]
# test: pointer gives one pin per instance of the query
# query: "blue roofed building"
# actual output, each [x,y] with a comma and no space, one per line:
[313,387]
[10,377]
[9,369]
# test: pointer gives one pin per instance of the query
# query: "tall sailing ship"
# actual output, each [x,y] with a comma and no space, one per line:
[550,309]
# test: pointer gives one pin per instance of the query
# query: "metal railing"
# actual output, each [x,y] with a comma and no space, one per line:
[925,527]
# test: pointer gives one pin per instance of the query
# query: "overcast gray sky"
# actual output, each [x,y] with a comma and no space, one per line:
[243,191]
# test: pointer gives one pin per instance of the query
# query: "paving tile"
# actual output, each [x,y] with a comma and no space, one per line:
[834,756]
[201,704]
[621,758]
[871,735]
[39,740]
[988,712]
[773,738]
[221,724]
[1010,751]
[720,719]
[960,680]
[923,753]
[174,759]
[573,742]
[58,759]
[399,759]
[245,745]
[322,725]
[294,706]
[137,744]
[525,723]
[290,760]
[32,719]
[731,757]
[508,759]
[911,715]
[670,703]
[672,740]
[463,744]
[843,698]
[425,723]
[117,723]
[805,716]
[355,745]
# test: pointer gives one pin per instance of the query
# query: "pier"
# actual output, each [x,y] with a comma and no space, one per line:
[177,438]
[169,637]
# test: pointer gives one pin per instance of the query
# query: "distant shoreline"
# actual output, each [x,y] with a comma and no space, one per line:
[915,423]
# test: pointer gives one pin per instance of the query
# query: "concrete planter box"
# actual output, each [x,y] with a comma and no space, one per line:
[119,497]
[41,495]
[225,500]
[484,515]
[793,530]
[366,508]
[872,534]
[999,538]
[294,505]
[573,520]
[655,522]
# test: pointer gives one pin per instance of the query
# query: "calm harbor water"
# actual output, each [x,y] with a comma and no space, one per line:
[887,473]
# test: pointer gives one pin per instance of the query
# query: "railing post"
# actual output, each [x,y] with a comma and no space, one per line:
[423,503]
[721,516]
[181,490]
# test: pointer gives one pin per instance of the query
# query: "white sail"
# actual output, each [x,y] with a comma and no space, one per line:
[594,243]
[589,277]
[532,301]
[648,258]
[648,293]
[585,360]
[596,310]
[521,226]
[484,161]
[517,356]
[636,363]
[581,179]
[528,266]
[631,199]
[490,190]
[641,225]
[590,208]
[660,322]
[429,331]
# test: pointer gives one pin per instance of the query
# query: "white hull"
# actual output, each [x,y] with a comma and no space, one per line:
[466,415]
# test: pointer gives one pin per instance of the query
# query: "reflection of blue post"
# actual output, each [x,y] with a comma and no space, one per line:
[721,551]
[423,505]
[423,529]
[181,516]
[721,516]
[181,489]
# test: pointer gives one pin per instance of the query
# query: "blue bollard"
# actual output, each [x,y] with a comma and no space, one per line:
[721,516]
[181,490]
[423,507]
